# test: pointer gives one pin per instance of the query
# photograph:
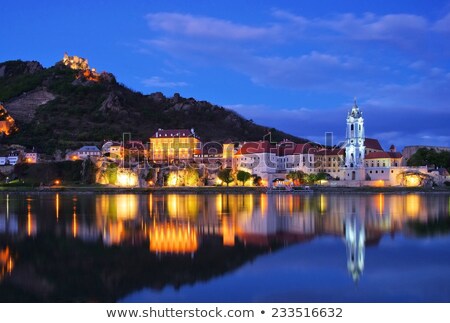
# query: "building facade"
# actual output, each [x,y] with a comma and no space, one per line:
[173,145]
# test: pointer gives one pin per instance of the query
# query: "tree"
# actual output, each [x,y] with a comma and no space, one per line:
[257,180]
[425,157]
[310,178]
[243,176]
[296,176]
[111,173]
[191,177]
[321,176]
[226,175]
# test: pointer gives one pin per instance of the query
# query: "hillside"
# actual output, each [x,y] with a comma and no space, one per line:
[70,104]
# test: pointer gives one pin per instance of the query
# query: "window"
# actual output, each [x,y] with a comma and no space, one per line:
[352,127]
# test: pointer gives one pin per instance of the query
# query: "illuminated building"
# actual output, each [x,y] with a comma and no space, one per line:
[168,146]
[293,157]
[7,123]
[259,158]
[330,161]
[228,151]
[82,65]
[112,149]
[211,153]
[84,153]
[134,151]
[354,145]
[31,157]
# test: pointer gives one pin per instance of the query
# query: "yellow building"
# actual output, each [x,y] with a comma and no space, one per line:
[167,146]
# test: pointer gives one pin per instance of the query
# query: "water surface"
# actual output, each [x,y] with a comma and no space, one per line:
[224,247]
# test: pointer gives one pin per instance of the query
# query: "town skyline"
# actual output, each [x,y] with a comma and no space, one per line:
[295,67]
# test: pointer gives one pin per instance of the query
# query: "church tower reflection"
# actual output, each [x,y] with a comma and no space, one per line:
[355,239]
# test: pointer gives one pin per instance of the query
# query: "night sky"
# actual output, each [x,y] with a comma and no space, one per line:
[294,65]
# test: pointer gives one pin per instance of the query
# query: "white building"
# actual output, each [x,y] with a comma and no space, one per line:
[259,158]
[84,153]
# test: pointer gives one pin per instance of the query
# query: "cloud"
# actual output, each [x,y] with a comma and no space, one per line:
[388,123]
[308,71]
[372,27]
[208,27]
[384,59]
[200,40]
[156,81]
[443,25]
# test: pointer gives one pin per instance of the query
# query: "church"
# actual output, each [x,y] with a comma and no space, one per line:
[366,163]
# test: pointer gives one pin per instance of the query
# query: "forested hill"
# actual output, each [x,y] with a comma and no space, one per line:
[70,104]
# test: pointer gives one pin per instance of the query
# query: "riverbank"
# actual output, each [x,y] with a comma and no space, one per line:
[215,190]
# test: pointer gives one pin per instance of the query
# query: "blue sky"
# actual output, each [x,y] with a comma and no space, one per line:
[292,64]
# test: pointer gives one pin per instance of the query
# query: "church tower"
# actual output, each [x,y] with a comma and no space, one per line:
[354,146]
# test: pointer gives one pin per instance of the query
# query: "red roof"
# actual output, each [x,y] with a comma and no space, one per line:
[383,154]
[290,148]
[174,133]
[330,152]
[372,144]
[256,147]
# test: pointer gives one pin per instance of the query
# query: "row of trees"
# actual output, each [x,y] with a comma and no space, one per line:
[298,177]
[227,176]
[425,156]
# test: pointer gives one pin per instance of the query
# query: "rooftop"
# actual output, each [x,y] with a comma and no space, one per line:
[174,133]
[383,154]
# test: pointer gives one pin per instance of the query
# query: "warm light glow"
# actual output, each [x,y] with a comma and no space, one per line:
[57,181]
[172,238]
[264,204]
[323,204]
[172,180]
[379,183]
[126,178]
[114,233]
[74,157]
[182,206]
[6,262]
[228,231]
[380,204]
[412,180]
[412,205]
[57,206]
[126,206]
[74,225]
[31,225]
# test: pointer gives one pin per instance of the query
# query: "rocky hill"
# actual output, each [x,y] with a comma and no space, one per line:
[70,104]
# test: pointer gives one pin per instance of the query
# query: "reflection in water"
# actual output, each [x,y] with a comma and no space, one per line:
[173,238]
[6,262]
[181,224]
[57,206]
[355,239]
